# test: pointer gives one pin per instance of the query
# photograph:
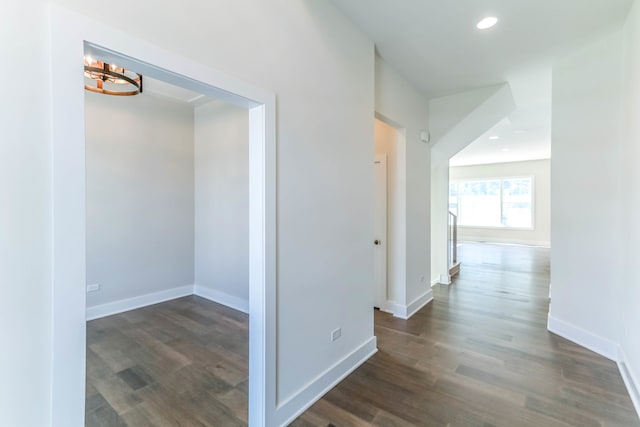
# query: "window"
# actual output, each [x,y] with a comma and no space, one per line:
[499,202]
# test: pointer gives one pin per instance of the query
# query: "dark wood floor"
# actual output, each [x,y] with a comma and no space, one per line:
[479,355]
[180,363]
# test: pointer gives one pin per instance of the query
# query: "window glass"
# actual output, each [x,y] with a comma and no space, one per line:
[480,203]
[516,202]
[500,202]
[453,198]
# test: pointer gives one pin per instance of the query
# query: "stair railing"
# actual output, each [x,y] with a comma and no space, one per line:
[453,239]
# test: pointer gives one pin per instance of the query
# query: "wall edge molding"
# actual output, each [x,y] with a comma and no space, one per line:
[295,405]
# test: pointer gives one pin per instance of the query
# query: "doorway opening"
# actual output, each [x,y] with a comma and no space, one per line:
[389,216]
[167,258]
[506,203]
[72,36]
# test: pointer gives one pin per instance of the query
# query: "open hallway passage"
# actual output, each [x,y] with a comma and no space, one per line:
[480,355]
[180,363]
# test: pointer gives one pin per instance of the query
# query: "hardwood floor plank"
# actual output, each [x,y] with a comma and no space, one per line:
[136,377]
[104,416]
[178,363]
[480,355]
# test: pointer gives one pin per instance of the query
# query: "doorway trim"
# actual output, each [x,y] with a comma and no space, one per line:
[70,34]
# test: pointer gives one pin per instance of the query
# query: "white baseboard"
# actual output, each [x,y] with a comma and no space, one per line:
[434,282]
[128,304]
[419,302]
[445,279]
[292,407]
[593,342]
[394,308]
[222,298]
[631,380]
[123,305]
[406,311]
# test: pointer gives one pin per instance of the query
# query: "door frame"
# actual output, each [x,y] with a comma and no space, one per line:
[71,33]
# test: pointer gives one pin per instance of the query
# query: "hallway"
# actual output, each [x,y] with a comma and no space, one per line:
[480,355]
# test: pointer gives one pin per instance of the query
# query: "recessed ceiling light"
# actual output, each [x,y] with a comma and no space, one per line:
[487,23]
[494,137]
[505,149]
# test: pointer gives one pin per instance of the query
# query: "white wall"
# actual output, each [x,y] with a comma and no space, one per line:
[586,232]
[596,134]
[321,69]
[540,171]
[391,142]
[401,104]
[140,197]
[630,295]
[25,219]
[221,133]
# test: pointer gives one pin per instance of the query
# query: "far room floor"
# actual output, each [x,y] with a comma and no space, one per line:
[183,362]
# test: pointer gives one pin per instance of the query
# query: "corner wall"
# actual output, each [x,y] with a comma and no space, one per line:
[586,158]
[321,69]
[629,356]
[401,105]
[596,102]
[25,218]
[140,198]
[221,149]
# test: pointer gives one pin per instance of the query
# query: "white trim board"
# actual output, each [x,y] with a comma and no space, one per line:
[127,304]
[221,298]
[595,343]
[629,378]
[406,311]
[120,306]
[295,405]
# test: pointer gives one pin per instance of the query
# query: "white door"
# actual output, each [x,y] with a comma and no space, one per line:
[380,232]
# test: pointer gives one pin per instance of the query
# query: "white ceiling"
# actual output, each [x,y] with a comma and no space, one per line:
[525,134]
[436,46]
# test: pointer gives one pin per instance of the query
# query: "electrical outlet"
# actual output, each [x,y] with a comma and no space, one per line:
[93,288]
[336,333]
